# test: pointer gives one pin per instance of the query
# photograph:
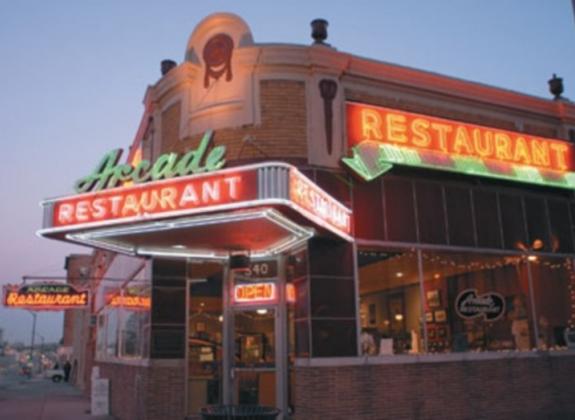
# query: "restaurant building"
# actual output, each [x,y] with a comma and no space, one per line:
[338,237]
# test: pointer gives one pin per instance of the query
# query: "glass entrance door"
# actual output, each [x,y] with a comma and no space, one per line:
[254,365]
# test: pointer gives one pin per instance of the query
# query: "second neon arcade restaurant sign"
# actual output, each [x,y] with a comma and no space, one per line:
[382,137]
[184,185]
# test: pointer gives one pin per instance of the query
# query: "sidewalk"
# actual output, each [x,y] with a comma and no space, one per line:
[41,399]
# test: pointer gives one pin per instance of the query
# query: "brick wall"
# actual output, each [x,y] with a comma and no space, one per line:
[171,127]
[145,393]
[539,387]
[281,134]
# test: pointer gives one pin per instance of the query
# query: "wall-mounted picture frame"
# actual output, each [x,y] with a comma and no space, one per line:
[433,298]
[441,332]
[429,317]
[431,333]
[440,316]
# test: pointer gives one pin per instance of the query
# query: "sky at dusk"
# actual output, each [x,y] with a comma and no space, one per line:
[73,76]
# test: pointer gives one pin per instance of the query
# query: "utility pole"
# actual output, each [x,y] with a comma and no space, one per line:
[34,316]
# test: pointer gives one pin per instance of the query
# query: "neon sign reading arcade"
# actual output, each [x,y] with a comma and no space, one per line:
[110,173]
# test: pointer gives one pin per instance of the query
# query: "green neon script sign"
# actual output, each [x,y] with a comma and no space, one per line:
[110,173]
[371,159]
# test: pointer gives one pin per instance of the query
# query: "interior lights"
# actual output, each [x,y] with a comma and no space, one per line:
[261,311]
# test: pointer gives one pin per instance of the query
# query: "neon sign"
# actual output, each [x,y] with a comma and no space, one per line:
[489,306]
[316,201]
[254,292]
[130,302]
[109,173]
[252,186]
[380,137]
[45,296]
[151,199]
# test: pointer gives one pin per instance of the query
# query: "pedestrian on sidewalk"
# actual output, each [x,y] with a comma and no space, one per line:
[67,369]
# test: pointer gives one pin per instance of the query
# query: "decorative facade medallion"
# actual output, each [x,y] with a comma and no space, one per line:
[218,58]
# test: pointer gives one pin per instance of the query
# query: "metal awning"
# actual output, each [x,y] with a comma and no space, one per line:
[264,209]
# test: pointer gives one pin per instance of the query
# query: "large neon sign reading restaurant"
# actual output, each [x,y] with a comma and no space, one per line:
[382,136]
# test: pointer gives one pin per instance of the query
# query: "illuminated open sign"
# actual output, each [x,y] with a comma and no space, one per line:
[255,292]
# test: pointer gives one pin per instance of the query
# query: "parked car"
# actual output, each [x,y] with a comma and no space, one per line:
[56,374]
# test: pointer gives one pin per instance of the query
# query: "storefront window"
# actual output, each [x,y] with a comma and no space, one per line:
[205,335]
[553,289]
[124,317]
[111,336]
[462,301]
[134,314]
[390,303]
[476,302]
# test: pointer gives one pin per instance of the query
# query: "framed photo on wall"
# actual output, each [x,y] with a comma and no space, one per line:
[433,298]
[440,316]
[429,317]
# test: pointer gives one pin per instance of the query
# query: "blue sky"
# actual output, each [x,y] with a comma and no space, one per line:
[74,73]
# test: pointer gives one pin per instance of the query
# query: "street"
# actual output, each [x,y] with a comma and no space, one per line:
[37,398]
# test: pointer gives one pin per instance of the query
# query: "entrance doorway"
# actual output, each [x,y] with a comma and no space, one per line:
[237,335]
[254,365]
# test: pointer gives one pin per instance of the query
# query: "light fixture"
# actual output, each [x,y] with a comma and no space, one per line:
[398,317]
[399,274]
[436,275]
[179,246]
[261,311]
[532,258]
[221,318]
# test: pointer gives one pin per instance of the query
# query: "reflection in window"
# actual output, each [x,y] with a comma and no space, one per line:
[124,320]
[134,309]
[112,333]
[476,302]
[390,306]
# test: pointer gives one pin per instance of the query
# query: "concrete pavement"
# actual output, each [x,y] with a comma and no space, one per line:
[40,399]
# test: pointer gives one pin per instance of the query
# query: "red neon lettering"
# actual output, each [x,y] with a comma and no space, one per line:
[254,292]
[304,193]
[154,198]
[426,133]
